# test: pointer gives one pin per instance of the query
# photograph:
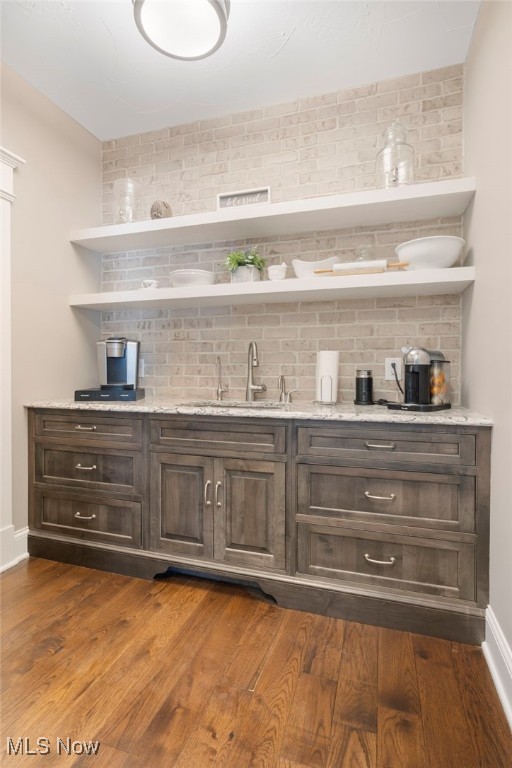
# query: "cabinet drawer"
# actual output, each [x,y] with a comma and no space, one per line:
[107,520]
[107,470]
[408,563]
[218,436]
[87,426]
[387,444]
[444,502]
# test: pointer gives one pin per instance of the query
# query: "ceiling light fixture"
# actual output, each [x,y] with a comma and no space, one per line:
[183,29]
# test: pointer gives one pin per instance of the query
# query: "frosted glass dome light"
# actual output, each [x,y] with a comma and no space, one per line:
[183,29]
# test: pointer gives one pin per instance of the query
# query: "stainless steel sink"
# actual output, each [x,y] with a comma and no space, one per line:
[261,404]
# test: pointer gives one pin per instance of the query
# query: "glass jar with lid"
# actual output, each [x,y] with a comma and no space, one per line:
[125,200]
[394,165]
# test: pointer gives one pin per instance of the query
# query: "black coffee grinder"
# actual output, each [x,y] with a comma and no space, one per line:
[118,368]
[426,381]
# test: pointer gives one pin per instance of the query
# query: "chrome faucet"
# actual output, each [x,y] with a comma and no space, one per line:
[221,388]
[252,362]
[284,396]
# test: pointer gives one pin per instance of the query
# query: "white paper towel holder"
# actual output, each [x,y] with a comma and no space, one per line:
[325,402]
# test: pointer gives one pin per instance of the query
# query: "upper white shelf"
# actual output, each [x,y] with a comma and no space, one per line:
[373,207]
[425,282]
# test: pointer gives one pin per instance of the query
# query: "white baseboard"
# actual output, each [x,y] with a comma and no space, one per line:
[498,655]
[13,547]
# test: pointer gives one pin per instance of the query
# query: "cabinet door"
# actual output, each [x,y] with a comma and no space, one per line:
[249,499]
[181,498]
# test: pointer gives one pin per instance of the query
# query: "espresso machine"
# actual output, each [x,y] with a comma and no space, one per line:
[118,368]
[426,381]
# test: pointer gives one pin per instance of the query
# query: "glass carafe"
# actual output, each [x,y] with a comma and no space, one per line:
[394,165]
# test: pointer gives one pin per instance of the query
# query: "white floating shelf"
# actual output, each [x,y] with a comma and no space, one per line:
[374,207]
[387,284]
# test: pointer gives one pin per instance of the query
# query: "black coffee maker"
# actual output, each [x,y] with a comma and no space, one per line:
[417,376]
[426,381]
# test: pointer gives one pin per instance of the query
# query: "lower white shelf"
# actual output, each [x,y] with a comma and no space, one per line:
[326,288]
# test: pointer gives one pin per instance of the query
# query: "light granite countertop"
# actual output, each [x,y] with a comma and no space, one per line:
[268,409]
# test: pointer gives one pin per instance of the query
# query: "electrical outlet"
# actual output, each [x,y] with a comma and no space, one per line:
[141,368]
[388,370]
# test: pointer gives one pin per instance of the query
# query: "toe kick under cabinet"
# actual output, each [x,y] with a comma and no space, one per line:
[382,523]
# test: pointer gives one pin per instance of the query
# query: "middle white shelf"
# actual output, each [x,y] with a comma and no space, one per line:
[382,285]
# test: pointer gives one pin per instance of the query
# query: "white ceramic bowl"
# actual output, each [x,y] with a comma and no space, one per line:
[182,277]
[307,268]
[435,252]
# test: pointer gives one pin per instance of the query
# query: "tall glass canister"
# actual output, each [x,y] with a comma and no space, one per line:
[394,165]
[125,200]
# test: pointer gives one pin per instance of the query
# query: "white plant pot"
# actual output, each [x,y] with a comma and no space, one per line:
[245,275]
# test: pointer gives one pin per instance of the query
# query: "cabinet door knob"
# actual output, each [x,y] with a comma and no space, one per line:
[391,561]
[369,495]
[86,469]
[84,517]
[85,429]
[381,446]
[218,485]
[207,501]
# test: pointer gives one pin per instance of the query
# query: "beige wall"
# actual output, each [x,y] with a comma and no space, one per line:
[58,189]
[487,317]
[316,146]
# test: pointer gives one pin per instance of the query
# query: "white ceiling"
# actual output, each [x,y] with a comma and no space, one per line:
[88,57]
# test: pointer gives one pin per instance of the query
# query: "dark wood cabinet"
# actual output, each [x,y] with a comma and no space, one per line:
[396,512]
[383,523]
[87,477]
[227,509]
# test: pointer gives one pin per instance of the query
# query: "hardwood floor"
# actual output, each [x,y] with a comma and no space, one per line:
[185,673]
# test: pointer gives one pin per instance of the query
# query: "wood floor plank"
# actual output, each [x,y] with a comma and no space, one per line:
[261,730]
[356,697]
[447,741]
[51,640]
[493,747]
[352,748]
[95,670]
[255,644]
[188,674]
[201,669]
[397,679]
[308,728]
[210,742]
[26,574]
[324,648]
[16,615]
[400,742]
[82,651]
[359,659]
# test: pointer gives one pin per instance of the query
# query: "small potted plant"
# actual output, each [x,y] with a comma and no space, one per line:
[245,266]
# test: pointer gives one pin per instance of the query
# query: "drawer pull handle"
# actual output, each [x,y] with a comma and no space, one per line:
[218,485]
[85,517]
[369,495]
[85,429]
[391,561]
[381,446]
[86,469]
[207,501]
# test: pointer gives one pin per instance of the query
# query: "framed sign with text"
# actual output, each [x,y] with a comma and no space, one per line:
[245,197]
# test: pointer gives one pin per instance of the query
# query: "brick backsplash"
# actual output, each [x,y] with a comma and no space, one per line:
[315,146]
